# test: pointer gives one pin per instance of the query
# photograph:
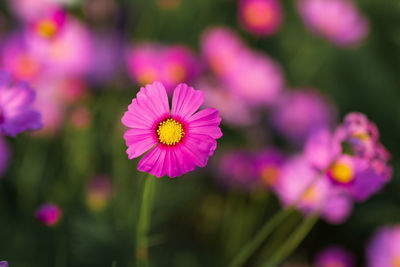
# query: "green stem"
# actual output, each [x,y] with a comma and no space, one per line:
[293,241]
[143,224]
[266,230]
[268,227]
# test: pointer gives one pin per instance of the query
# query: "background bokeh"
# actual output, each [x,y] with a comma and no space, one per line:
[195,220]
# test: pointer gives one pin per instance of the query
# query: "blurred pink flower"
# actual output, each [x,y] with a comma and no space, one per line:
[49,25]
[220,48]
[359,176]
[170,65]
[384,248]
[176,140]
[19,61]
[16,112]
[3,264]
[268,165]
[300,112]
[67,53]
[48,214]
[256,79]
[232,110]
[334,256]
[98,193]
[300,183]
[339,21]
[260,17]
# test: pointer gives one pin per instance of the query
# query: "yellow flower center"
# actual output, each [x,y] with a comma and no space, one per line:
[396,261]
[342,173]
[170,132]
[47,28]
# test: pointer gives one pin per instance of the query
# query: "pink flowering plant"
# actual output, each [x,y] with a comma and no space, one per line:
[259,133]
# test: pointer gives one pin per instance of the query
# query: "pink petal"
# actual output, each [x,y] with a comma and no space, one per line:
[149,106]
[185,101]
[153,162]
[198,148]
[172,166]
[153,98]
[205,122]
[138,142]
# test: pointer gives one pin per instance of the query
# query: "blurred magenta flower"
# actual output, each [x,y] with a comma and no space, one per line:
[18,60]
[175,140]
[260,17]
[17,114]
[232,110]
[3,264]
[49,25]
[339,21]
[299,112]
[220,47]
[256,79]
[170,65]
[67,53]
[48,214]
[311,191]
[384,248]
[268,165]
[236,169]
[334,256]
[98,193]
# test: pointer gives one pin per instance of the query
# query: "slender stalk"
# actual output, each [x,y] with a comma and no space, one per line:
[268,227]
[265,231]
[143,224]
[293,241]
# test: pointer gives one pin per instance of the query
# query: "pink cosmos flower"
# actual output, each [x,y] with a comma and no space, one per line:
[169,64]
[352,157]
[384,248]
[220,48]
[48,214]
[339,21]
[175,140]
[16,113]
[308,111]
[334,256]
[67,53]
[300,183]
[260,17]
